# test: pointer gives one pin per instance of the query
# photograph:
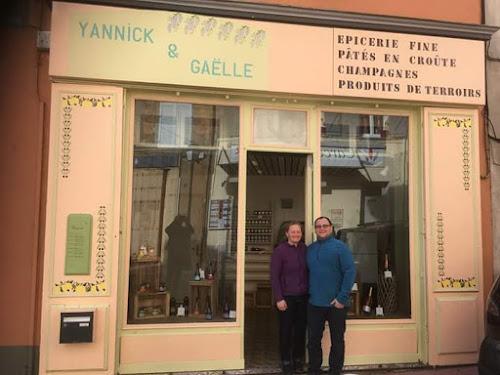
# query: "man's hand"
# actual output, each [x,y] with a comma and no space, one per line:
[281,305]
[337,304]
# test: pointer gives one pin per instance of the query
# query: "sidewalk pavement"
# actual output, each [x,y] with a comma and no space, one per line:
[444,370]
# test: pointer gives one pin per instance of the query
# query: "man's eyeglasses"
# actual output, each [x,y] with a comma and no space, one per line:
[324,226]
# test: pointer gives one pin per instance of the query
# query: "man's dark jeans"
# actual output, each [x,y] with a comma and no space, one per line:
[316,318]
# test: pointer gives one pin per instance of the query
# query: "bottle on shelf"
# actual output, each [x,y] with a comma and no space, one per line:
[181,310]
[142,312]
[185,302]
[378,125]
[367,307]
[173,306]
[197,276]
[210,271]
[196,308]
[208,309]
[387,271]
[225,312]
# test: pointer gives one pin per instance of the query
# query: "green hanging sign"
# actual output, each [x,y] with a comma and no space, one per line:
[78,244]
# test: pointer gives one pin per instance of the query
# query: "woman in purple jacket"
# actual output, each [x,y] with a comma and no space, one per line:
[289,280]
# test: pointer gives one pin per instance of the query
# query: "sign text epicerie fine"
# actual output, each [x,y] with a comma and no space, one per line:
[395,60]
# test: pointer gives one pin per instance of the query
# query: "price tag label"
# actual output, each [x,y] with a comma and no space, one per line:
[388,274]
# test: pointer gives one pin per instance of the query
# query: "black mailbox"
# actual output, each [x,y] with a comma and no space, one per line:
[76,327]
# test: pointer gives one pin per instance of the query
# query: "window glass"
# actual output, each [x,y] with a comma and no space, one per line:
[279,127]
[184,213]
[364,191]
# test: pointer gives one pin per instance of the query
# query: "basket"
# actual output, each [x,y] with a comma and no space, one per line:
[387,293]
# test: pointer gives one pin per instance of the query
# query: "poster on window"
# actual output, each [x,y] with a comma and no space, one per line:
[337,217]
[220,214]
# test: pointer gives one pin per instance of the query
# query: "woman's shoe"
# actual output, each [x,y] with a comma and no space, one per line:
[287,368]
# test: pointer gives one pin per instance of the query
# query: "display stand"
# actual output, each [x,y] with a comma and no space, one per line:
[202,289]
[258,230]
[354,309]
[148,301]
[387,293]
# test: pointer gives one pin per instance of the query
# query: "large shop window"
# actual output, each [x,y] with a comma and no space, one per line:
[364,190]
[184,213]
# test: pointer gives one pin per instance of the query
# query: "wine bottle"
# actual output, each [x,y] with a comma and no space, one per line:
[186,304]
[173,306]
[378,125]
[210,271]
[208,309]
[196,309]
[225,312]
[367,307]
[387,271]
[197,273]
[181,310]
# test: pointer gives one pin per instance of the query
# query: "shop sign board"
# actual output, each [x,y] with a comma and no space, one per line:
[161,47]
[157,46]
[408,67]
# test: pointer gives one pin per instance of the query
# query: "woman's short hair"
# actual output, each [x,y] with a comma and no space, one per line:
[294,223]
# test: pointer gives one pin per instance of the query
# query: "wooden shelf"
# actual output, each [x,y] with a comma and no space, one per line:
[146,270]
[149,294]
[258,234]
[148,301]
[160,316]
[145,259]
[202,289]
[259,228]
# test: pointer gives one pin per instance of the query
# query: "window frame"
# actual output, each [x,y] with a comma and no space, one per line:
[127,175]
[415,202]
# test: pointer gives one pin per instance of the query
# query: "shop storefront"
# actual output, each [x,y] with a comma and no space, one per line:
[181,144]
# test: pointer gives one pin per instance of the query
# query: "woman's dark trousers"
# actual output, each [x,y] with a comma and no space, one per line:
[316,318]
[292,330]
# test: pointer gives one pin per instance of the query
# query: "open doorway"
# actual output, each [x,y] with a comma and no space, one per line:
[275,195]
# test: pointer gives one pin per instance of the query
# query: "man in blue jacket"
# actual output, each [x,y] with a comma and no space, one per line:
[331,276]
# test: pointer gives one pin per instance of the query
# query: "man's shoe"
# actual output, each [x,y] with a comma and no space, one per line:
[298,367]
